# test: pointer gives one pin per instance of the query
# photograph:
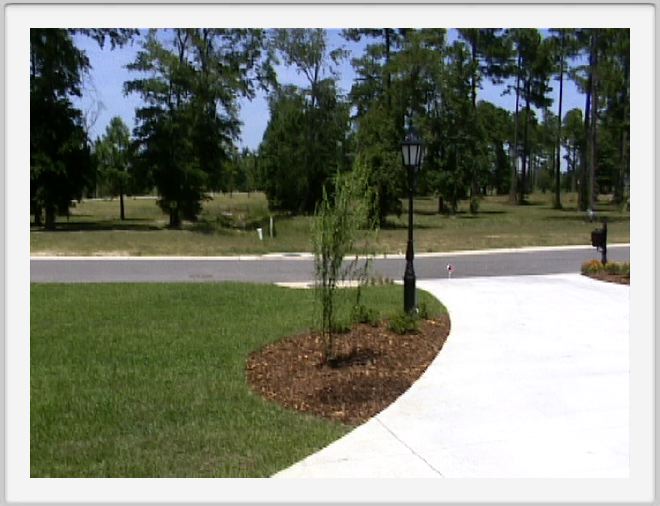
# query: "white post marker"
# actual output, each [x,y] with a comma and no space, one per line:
[450,269]
[260,233]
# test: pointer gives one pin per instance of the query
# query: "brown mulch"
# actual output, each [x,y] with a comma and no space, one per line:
[611,278]
[374,367]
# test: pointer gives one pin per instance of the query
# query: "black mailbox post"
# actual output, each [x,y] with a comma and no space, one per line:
[599,241]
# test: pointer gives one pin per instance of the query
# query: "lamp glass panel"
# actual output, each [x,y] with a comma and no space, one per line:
[414,154]
[405,154]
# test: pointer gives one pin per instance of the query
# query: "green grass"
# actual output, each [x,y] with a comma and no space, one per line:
[228,225]
[148,380]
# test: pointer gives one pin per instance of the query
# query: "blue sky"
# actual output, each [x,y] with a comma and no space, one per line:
[103,95]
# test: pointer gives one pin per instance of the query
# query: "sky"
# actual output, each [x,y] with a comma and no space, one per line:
[103,96]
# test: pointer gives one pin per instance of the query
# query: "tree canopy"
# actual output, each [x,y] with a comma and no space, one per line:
[191,82]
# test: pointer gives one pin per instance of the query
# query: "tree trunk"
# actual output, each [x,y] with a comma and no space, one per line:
[557,203]
[441,204]
[122,215]
[50,218]
[514,167]
[623,146]
[593,150]
[620,188]
[388,77]
[583,203]
[575,164]
[474,187]
[37,216]
[175,218]
[523,169]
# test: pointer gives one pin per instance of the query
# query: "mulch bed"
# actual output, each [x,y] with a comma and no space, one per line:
[374,367]
[611,278]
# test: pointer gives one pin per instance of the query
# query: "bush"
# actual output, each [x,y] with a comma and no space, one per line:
[592,267]
[474,205]
[404,323]
[423,311]
[362,314]
[622,269]
[597,267]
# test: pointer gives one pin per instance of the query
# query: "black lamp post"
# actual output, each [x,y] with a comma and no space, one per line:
[412,151]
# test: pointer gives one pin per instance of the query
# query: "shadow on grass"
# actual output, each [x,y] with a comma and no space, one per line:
[135,225]
[580,218]
[388,225]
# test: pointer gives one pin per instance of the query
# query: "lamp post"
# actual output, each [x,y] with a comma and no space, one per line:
[412,152]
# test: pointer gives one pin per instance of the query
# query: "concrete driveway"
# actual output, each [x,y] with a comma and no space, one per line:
[532,382]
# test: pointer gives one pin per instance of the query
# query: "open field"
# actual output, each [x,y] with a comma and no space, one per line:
[228,226]
[148,380]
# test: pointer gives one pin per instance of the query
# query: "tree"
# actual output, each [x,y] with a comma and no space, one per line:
[564,46]
[487,52]
[573,140]
[615,113]
[306,139]
[498,137]
[380,99]
[302,147]
[533,70]
[375,74]
[605,81]
[188,126]
[461,151]
[339,218]
[113,159]
[60,162]
[306,50]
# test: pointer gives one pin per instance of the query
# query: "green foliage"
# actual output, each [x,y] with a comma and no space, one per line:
[60,163]
[302,147]
[404,323]
[360,313]
[306,139]
[423,310]
[474,205]
[113,158]
[597,267]
[498,135]
[335,230]
[186,130]
[622,268]
[379,154]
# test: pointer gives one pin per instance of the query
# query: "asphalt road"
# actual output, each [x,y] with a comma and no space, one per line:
[292,268]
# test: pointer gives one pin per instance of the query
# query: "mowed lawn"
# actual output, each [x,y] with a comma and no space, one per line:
[148,380]
[227,226]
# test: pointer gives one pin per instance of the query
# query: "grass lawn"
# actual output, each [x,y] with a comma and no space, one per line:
[228,225]
[148,380]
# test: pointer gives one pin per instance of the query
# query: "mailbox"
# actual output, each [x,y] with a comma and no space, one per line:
[599,241]
[598,238]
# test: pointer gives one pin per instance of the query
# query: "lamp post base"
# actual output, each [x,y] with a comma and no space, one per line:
[409,291]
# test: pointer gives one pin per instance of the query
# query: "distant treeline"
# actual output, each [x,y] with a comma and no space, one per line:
[191,80]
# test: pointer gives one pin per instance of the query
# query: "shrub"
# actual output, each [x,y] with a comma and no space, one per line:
[474,205]
[362,314]
[618,268]
[335,229]
[592,267]
[423,311]
[597,267]
[404,323]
